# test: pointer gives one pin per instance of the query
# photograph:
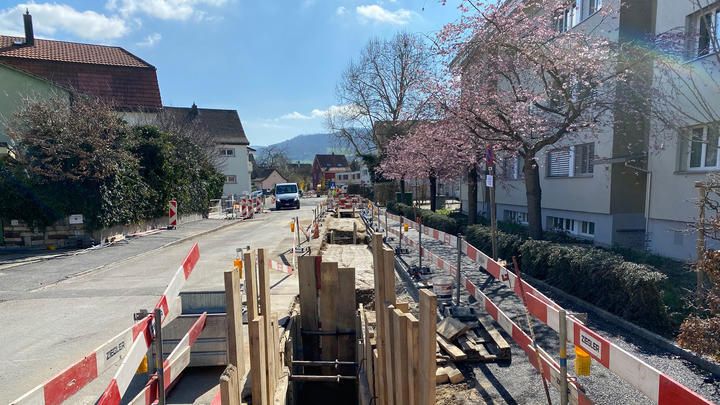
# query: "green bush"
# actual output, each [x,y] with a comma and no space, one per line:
[481,237]
[534,257]
[429,218]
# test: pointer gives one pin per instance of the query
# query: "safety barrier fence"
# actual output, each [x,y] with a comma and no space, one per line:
[658,387]
[128,347]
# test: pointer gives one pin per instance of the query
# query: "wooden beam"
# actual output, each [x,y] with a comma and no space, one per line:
[328,312]
[309,305]
[389,362]
[346,313]
[451,328]
[413,326]
[389,275]
[265,311]
[233,305]
[426,348]
[400,356]
[251,286]
[258,372]
[229,386]
[278,348]
[378,276]
[403,306]
[504,351]
[369,357]
[455,352]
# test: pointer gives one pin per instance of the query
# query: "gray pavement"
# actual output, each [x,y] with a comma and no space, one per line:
[55,312]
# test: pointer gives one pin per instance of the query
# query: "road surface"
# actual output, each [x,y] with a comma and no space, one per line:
[53,313]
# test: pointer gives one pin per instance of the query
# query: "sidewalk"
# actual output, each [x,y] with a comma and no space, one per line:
[33,272]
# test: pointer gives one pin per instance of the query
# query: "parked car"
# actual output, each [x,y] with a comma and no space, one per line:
[287,195]
[256,194]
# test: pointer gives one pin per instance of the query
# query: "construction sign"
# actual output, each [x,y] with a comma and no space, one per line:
[172,223]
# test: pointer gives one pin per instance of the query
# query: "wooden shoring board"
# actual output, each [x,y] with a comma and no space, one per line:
[258,372]
[307,278]
[327,301]
[265,311]
[346,313]
[503,348]
[412,360]
[400,355]
[378,274]
[368,356]
[251,286]
[388,342]
[426,348]
[234,322]
[230,386]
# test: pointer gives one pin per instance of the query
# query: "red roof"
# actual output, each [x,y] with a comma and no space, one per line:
[60,51]
[107,72]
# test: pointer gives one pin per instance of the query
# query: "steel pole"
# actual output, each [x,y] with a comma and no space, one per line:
[419,221]
[563,358]
[459,263]
[159,356]
[493,215]
[400,238]
[386,228]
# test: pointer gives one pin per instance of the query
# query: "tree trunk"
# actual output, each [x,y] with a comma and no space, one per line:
[402,191]
[472,195]
[433,193]
[534,197]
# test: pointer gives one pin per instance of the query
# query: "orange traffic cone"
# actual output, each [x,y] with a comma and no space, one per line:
[316,231]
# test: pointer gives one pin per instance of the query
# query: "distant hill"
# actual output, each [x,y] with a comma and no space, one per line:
[303,148]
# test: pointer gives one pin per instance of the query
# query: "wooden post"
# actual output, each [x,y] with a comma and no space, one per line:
[426,348]
[400,350]
[412,326]
[251,286]
[309,304]
[369,357]
[328,312]
[378,275]
[277,359]
[388,340]
[346,313]
[230,386]
[258,367]
[233,305]
[389,275]
[265,311]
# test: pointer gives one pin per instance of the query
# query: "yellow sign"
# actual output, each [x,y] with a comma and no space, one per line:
[292,226]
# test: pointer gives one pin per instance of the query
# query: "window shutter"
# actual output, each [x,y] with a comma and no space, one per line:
[559,163]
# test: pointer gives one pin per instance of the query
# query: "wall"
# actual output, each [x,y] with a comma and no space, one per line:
[238,166]
[15,86]
[273,179]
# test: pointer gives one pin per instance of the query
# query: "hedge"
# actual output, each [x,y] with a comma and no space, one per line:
[429,218]
[630,290]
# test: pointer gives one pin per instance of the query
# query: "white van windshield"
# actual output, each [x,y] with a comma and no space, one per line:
[286,189]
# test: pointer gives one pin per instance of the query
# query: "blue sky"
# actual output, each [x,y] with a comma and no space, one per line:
[275,61]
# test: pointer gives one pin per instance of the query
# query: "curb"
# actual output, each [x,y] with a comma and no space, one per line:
[652,337]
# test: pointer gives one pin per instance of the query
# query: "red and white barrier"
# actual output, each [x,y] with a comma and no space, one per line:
[74,378]
[280,267]
[657,386]
[172,214]
[175,363]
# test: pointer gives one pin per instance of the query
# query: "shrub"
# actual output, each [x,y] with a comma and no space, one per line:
[481,237]
[534,257]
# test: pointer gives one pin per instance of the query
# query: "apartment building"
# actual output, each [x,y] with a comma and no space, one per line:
[679,158]
[593,184]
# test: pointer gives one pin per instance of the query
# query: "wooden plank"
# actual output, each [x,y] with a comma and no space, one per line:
[258,372]
[229,386]
[413,326]
[400,361]
[389,275]
[502,344]
[275,328]
[378,275]
[441,376]
[376,379]
[233,300]
[369,358]
[389,362]
[264,306]
[455,352]
[251,285]
[426,348]
[308,306]
[346,313]
[450,328]
[403,306]
[466,345]
[454,374]
[327,301]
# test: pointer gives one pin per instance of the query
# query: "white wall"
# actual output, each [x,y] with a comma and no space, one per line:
[238,166]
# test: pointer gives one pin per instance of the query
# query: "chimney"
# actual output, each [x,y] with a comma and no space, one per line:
[29,36]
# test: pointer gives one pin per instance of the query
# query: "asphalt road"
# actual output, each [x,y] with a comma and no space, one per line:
[52,313]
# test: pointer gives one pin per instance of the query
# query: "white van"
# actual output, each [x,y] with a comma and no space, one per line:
[287,195]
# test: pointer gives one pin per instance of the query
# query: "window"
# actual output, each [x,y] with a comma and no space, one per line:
[576,12]
[593,6]
[702,148]
[566,19]
[571,161]
[227,152]
[512,167]
[230,179]
[708,32]
[572,226]
[516,217]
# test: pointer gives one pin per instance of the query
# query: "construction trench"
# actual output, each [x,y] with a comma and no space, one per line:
[369,308]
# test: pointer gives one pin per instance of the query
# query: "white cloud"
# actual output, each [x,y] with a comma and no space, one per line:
[150,40]
[341,10]
[51,18]
[164,9]
[376,13]
[318,113]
